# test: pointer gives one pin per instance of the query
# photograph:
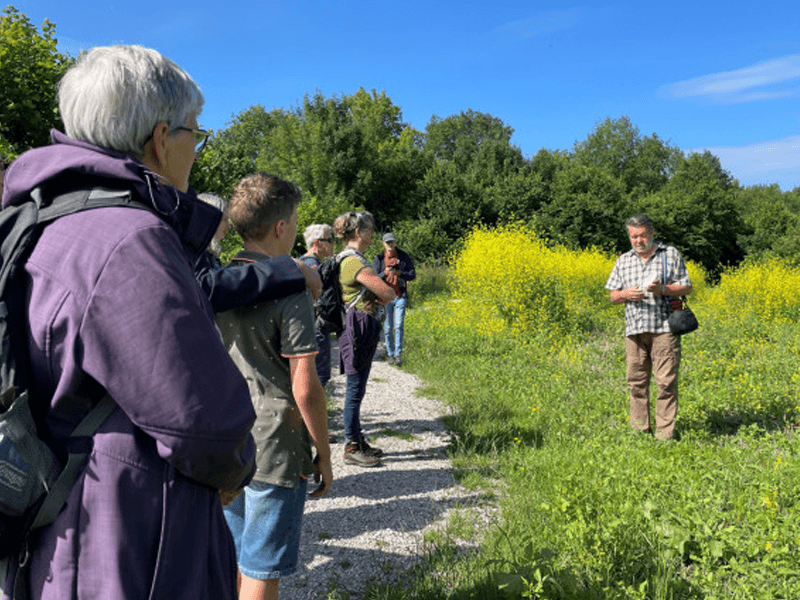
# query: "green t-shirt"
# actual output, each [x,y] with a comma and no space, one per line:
[349,269]
[260,339]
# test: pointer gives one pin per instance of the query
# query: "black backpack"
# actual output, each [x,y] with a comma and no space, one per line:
[33,484]
[330,308]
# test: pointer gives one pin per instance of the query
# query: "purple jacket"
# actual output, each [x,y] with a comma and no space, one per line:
[113,304]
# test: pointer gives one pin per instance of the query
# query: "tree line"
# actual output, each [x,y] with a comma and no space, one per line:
[431,187]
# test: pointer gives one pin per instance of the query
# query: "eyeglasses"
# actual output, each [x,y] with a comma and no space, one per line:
[200,137]
[329,240]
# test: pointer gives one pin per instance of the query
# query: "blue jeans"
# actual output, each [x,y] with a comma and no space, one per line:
[323,360]
[356,389]
[393,326]
[265,521]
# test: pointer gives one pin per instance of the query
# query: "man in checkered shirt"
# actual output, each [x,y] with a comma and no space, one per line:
[636,280]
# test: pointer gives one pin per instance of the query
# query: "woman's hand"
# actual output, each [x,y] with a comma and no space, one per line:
[370,280]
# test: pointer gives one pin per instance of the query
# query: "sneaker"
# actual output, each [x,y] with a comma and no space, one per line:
[390,359]
[398,360]
[370,450]
[354,455]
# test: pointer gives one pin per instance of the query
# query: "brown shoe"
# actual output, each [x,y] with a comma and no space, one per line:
[370,450]
[355,455]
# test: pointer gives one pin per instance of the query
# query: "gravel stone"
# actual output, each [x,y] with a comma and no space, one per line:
[370,526]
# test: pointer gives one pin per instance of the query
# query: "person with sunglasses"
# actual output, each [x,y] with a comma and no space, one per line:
[113,307]
[319,246]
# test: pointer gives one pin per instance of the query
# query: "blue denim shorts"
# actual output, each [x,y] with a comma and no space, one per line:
[265,522]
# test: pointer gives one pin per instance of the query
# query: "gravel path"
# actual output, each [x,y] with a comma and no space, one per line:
[370,527]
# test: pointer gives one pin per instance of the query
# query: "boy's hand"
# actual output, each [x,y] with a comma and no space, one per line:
[226,497]
[322,476]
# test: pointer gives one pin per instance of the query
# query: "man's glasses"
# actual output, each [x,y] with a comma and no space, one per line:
[200,137]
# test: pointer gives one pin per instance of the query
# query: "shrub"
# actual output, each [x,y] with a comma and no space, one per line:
[765,290]
[507,281]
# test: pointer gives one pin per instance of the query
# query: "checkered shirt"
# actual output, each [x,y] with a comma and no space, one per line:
[649,315]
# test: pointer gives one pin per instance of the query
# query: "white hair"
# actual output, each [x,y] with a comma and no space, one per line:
[215,200]
[316,232]
[114,96]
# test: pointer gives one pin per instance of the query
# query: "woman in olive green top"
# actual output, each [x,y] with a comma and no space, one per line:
[357,344]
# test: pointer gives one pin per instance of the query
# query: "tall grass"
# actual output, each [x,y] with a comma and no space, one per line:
[588,509]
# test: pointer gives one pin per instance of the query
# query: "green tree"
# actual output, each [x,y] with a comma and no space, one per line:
[475,173]
[697,212]
[30,67]
[354,151]
[586,207]
[770,220]
[461,138]
[643,164]
[521,195]
[232,152]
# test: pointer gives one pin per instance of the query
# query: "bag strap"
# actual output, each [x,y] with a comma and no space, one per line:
[57,495]
[65,204]
[79,200]
[339,258]
[664,276]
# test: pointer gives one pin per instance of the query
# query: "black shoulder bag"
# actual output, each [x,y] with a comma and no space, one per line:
[681,320]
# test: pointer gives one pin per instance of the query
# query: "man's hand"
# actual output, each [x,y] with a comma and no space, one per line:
[635,294]
[631,294]
[323,475]
[313,280]
[656,288]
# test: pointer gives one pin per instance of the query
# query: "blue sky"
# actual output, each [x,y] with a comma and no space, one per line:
[722,76]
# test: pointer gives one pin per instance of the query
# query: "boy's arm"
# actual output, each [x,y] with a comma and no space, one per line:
[310,398]
[251,282]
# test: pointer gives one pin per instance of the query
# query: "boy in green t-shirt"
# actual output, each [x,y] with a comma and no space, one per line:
[273,344]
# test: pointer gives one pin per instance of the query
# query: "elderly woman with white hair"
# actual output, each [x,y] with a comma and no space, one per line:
[319,246]
[113,307]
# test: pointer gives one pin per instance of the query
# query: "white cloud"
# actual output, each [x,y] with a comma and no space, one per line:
[761,81]
[774,161]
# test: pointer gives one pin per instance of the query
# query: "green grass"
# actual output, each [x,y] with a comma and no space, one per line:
[433,281]
[590,510]
[400,435]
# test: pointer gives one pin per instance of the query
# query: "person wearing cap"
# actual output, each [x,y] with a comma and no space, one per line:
[396,268]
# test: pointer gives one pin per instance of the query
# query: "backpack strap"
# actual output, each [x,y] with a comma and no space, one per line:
[80,443]
[79,200]
[339,258]
[57,495]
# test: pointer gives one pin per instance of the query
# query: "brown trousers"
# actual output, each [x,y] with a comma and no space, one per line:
[661,354]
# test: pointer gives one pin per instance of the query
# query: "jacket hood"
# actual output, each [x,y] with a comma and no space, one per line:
[69,164]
